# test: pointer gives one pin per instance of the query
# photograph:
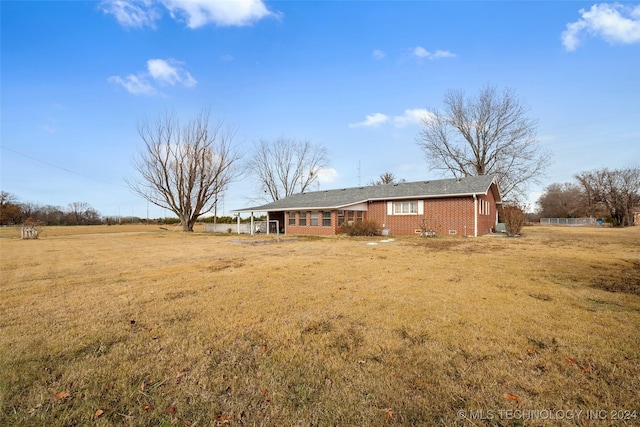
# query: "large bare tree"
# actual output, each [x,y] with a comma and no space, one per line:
[618,190]
[567,200]
[184,167]
[286,166]
[487,134]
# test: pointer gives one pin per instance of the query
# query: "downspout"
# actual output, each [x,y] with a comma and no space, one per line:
[475,216]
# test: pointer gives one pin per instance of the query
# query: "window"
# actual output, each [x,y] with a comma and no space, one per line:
[340,218]
[326,218]
[350,217]
[359,216]
[292,218]
[405,208]
[484,208]
[302,218]
[314,218]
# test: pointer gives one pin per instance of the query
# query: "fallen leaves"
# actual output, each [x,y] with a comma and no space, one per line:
[389,415]
[513,397]
[222,418]
[586,367]
[61,395]
[98,413]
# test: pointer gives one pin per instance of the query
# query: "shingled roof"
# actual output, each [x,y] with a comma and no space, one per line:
[341,198]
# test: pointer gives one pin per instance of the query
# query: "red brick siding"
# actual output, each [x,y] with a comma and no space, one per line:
[487,222]
[455,213]
[313,230]
[443,215]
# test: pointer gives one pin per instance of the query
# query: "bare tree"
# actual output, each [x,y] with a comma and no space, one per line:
[618,190]
[184,167]
[81,213]
[489,134]
[386,178]
[567,200]
[286,166]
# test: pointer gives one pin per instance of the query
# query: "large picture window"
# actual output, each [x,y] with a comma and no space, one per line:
[404,208]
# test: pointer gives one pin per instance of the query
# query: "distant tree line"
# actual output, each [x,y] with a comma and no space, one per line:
[608,194]
[14,212]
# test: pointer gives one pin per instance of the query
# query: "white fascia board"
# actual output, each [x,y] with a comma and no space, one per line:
[432,196]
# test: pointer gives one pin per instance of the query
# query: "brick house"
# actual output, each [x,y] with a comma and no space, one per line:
[462,207]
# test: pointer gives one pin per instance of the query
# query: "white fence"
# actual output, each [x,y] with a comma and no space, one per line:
[243,228]
[572,222]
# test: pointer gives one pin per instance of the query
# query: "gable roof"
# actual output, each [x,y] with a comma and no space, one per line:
[340,198]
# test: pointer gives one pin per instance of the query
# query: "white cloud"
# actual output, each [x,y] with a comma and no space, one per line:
[420,52]
[378,54]
[131,13]
[327,175]
[412,116]
[615,23]
[196,13]
[170,71]
[223,13]
[443,54]
[371,120]
[162,71]
[135,85]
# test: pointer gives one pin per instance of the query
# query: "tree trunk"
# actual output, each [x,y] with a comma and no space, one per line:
[187,224]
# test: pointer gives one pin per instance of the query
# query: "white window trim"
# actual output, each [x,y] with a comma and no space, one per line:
[405,213]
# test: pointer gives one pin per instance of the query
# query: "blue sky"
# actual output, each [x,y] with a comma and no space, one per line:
[354,76]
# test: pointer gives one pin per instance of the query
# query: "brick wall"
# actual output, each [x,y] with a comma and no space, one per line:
[312,230]
[447,216]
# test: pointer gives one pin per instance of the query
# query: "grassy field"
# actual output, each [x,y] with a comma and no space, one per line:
[141,326]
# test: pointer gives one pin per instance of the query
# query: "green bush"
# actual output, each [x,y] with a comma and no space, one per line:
[362,228]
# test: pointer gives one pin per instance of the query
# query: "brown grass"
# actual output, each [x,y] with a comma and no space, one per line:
[150,328]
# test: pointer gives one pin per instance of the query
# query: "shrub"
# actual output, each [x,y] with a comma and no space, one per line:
[362,228]
[513,217]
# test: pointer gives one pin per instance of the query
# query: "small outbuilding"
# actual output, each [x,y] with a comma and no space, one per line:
[462,206]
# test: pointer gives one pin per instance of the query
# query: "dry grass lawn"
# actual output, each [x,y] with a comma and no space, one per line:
[140,326]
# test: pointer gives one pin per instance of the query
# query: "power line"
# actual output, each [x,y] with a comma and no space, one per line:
[61,167]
